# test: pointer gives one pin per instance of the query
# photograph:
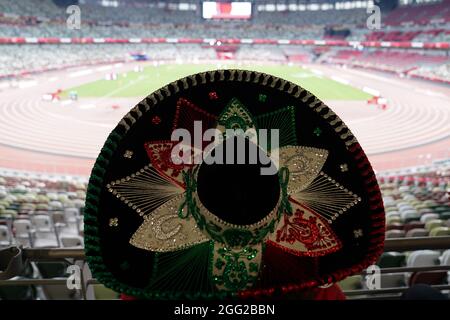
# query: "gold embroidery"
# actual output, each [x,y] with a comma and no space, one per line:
[164,231]
[304,164]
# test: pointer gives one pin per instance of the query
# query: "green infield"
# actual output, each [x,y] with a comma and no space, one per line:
[140,84]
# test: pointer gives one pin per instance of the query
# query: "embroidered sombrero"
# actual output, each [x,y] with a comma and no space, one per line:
[178,206]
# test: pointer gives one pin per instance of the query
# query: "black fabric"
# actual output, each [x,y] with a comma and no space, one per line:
[238,193]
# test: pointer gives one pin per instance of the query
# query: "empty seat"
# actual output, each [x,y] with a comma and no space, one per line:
[428,277]
[42,223]
[71,214]
[391,260]
[395,226]
[395,234]
[423,258]
[428,216]
[444,215]
[23,231]
[413,225]
[393,219]
[71,241]
[431,224]
[417,232]
[440,232]
[58,217]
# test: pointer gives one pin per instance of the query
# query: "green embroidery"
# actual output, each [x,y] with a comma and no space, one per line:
[236,116]
[283,120]
[236,274]
[317,131]
[285,205]
[189,202]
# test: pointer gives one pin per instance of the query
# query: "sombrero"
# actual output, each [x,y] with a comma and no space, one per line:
[230,183]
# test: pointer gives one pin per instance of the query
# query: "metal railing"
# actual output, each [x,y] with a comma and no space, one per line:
[399,245]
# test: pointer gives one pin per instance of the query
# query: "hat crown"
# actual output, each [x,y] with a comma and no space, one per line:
[237,192]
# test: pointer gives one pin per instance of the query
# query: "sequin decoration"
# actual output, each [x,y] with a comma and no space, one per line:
[128,154]
[304,233]
[304,164]
[262,97]
[156,120]
[343,167]
[235,270]
[327,197]
[317,132]
[114,222]
[213,95]
[163,231]
[357,233]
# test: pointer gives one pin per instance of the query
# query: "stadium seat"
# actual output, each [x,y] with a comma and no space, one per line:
[71,241]
[58,217]
[393,219]
[440,232]
[42,223]
[429,216]
[414,225]
[395,234]
[395,226]
[423,258]
[71,214]
[444,215]
[23,232]
[428,277]
[431,224]
[417,232]
[391,260]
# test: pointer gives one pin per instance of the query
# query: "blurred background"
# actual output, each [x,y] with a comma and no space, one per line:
[70,70]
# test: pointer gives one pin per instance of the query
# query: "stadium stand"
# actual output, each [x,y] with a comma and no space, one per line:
[43,213]
[388,60]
